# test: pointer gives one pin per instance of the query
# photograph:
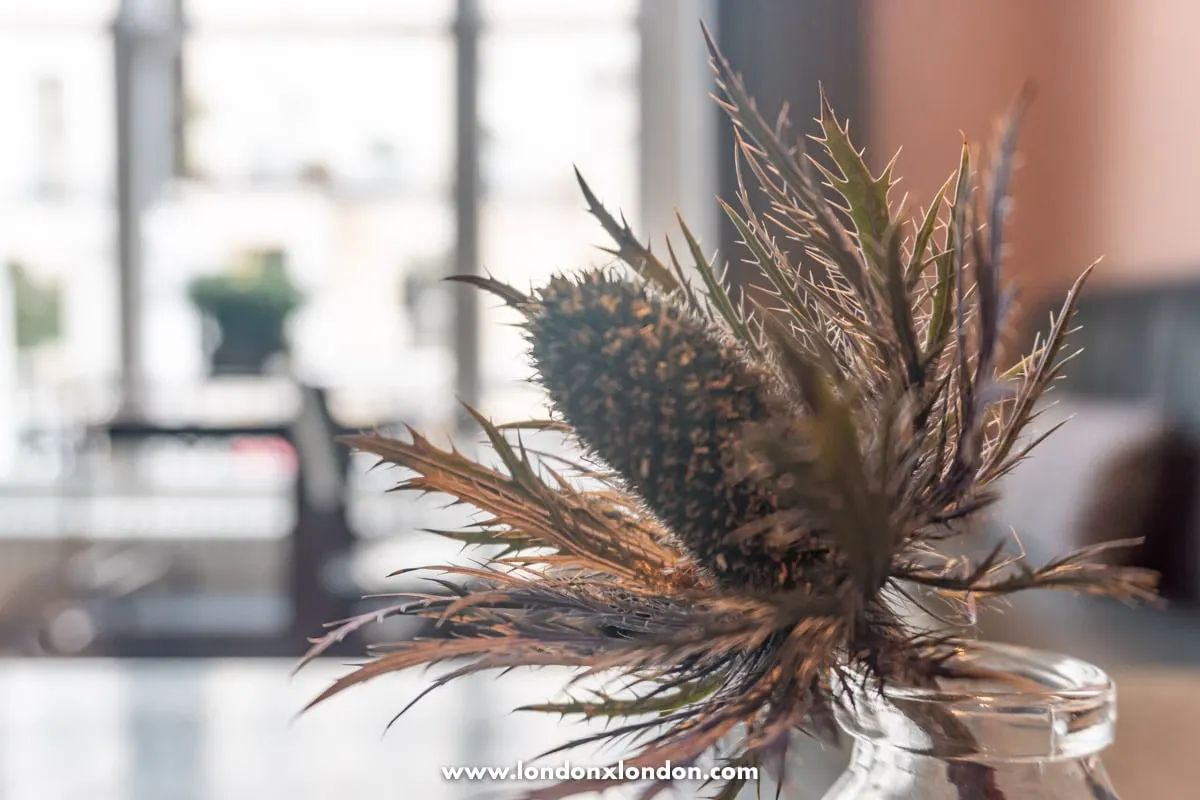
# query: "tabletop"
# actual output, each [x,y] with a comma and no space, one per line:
[228,730]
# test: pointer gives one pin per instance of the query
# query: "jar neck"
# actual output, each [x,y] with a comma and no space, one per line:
[907,774]
[1019,706]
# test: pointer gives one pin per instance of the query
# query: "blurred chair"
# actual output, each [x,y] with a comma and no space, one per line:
[1135,388]
[152,605]
[1150,490]
[321,541]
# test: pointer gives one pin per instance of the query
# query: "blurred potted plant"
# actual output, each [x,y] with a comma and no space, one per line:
[248,306]
[38,308]
[37,318]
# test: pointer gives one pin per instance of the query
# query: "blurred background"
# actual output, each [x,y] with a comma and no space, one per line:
[223,224]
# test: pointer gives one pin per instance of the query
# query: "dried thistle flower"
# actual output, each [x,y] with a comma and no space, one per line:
[664,399]
[784,465]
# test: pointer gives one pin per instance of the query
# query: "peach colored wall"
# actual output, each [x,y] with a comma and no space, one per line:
[1109,164]
[1151,206]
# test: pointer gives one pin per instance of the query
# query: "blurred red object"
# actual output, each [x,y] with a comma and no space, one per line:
[275,447]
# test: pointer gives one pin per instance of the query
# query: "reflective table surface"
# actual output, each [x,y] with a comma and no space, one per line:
[228,730]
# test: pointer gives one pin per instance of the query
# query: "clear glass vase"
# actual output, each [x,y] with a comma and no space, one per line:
[1026,725]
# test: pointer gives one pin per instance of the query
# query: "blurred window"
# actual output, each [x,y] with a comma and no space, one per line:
[558,89]
[56,247]
[326,130]
[322,133]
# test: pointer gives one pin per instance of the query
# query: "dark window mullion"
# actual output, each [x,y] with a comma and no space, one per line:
[466,205]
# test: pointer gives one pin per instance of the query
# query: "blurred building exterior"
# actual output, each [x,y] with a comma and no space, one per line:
[325,130]
[322,131]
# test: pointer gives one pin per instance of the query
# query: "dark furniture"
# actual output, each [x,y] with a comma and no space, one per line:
[1140,344]
[165,623]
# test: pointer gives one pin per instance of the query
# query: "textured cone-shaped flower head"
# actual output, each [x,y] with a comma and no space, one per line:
[665,400]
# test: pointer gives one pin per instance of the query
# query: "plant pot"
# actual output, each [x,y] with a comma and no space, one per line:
[247,337]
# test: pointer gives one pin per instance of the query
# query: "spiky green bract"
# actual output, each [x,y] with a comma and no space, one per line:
[665,399]
[831,431]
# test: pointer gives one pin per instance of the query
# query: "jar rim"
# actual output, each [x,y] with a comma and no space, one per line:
[1045,678]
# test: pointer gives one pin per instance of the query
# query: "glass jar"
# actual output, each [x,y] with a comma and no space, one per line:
[1026,725]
